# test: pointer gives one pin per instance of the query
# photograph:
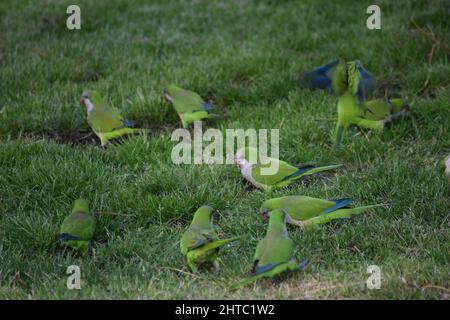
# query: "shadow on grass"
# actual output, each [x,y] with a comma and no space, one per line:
[73,137]
[77,138]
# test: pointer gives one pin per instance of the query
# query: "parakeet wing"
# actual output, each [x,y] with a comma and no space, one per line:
[103,121]
[306,207]
[79,224]
[186,101]
[193,238]
[272,253]
[367,80]
[319,78]
[380,109]
[284,170]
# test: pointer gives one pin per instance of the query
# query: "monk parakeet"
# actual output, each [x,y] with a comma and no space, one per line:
[200,243]
[387,110]
[352,106]
[285,175]
[353,109]
[189,105]
[275,253]
[306,211]
[78,227]
[106,121]
[320,77]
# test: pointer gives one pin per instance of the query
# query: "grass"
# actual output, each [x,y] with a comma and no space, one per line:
[245,56]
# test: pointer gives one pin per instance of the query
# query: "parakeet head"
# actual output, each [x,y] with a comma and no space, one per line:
[268,206]
[264,212]
[167,97]
[242,163]
[249,154]
[90,98]
[80,205]
[170,91]
[204,216]
[240,156]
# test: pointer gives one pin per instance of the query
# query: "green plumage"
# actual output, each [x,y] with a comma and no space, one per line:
[307,211]
[79,225]
[200,242]
[352,107]
[281,179]
[387,110]
[274,253]
[189,105]
[284,176]
[106,121]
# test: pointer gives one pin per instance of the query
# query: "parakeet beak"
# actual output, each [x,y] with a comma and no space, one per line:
[237,162]
[82,100]
[167,97]
[265,215]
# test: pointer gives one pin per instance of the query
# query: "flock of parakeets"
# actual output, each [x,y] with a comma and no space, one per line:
[275,252]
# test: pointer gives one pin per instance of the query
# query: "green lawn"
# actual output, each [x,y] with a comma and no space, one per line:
[245,56]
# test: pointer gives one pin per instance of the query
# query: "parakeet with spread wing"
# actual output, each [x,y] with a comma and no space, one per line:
[320,77]
[352,107]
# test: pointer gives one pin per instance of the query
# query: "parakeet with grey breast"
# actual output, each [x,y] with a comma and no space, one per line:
[106,121]
[283,174]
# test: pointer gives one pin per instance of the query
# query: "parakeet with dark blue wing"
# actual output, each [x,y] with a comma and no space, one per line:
[106,121]
[189,105]
[200,242]
[321,77]
[274,253]
[306,211]
[78,227]
[352,107]
[284,175]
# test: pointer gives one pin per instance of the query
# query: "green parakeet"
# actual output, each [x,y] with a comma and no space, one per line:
[106,121]
[275,253]
[189,105]
[78,227]
[306,211]
[386,110]
[286,174]
[352,106]
[200,243]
